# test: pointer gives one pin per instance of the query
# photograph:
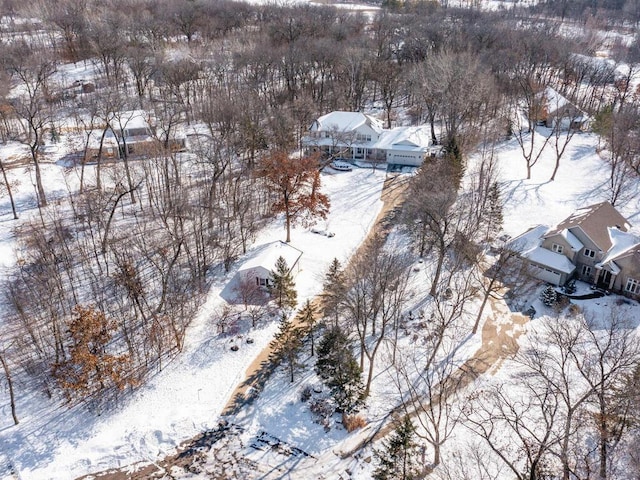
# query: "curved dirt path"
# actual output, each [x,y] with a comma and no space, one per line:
[499,343]
[261,368]
[256,374]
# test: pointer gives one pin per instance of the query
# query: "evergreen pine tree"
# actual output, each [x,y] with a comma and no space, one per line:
[549,296]
[287,343]
[397,460]
[282,287]
[339,370]
[494,214]
[308,318]
[334,289]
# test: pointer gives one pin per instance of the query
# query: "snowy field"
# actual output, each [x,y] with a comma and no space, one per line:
[187,397]
[581,180]
[189,394]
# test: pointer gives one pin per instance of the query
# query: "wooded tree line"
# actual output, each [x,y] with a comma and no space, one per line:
[136,246]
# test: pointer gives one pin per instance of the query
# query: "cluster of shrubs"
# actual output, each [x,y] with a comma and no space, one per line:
[550,297]
[323,408]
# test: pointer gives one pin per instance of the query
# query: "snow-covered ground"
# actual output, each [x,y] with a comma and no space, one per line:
[187,397]
[581,180]
[189,394]
[279,411]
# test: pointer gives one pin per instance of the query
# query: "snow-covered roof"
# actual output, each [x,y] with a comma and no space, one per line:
[347,121]
[269,255]
[95,137]
[528,240]
[528,246]
[594,221]
[554,261]
[130,119]
[572,240]
[621,244]
[404,138]
[554,101]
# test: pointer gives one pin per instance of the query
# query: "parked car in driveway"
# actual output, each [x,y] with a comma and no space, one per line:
[341,166]
[320,231]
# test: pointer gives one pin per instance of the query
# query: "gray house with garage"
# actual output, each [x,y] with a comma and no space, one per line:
[593,244]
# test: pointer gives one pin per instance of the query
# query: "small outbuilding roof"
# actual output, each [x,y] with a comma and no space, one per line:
[270,253]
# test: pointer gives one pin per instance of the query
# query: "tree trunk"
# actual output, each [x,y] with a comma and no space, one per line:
[604,433]
[436,276]
[125,158]
[6,182]
[436,454]
[42,199]
[11,393]
[288,221]
[487,294]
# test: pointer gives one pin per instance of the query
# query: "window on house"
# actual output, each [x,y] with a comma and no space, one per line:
[262,282]
[589,253]
[557,248]
[363,138]
[586,271]
[633,286]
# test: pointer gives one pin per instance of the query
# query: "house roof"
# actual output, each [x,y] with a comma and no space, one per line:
[405,138]
[553,100]
[554,261]
[347,121]
[572,240]
[554,103]
[129,119]
[623,245]
[528,246]
[528,240]
[594,222]
[269,255]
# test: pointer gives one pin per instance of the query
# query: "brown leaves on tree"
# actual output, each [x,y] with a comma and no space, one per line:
[296,182]
[89,367]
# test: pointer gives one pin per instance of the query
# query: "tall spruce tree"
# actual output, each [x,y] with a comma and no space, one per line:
[494,217]
[282,287]
[287,343]
[397,460]
[307,317]
[334,288]
[339,370]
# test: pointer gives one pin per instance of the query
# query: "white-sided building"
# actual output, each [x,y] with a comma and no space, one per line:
[355,136]
[261,266]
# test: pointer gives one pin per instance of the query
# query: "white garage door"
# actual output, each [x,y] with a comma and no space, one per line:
[546,274]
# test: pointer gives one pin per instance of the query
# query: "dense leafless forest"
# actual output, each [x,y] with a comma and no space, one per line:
[109,276]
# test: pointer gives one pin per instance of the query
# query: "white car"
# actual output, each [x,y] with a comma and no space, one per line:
[326,233]
[341,166]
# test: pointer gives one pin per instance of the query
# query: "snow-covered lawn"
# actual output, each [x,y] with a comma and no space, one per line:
[187,397]
[581,180]
[189,394]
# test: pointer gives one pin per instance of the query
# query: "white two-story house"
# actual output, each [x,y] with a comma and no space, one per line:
[355,136]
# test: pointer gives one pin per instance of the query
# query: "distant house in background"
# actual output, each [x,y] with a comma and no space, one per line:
[553,110]
[134,133]
[592,244]
[355,136]
[260,266]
